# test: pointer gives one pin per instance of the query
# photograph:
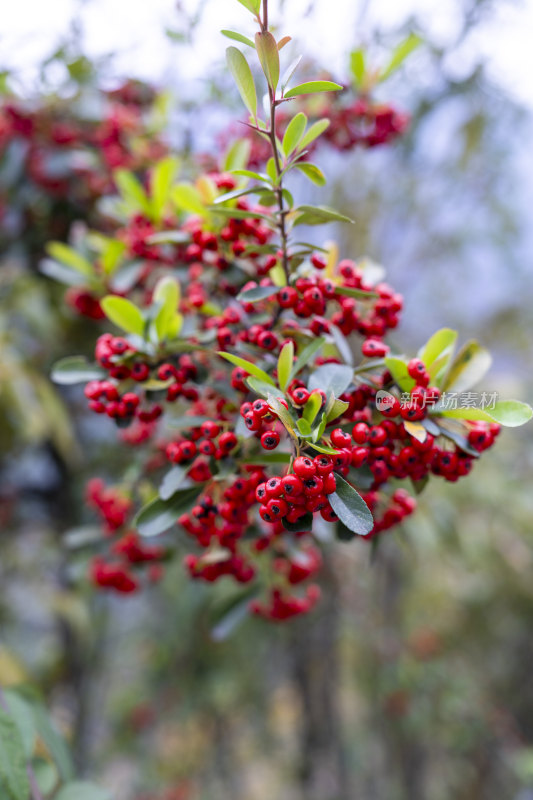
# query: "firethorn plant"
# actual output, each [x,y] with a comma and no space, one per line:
[253,368]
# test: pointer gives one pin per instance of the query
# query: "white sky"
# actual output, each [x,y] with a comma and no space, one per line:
[134,29]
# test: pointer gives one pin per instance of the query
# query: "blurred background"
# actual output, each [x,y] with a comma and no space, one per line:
[413,678]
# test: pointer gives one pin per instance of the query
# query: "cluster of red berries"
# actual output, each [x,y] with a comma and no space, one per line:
[388,512]
[113,507]
[245,520]
[121,359]
[283,606]
[208,440]
[364,124]
[69,161]
[128,552]
[299,493]
[370,316]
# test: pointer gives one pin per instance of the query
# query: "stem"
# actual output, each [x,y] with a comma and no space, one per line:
[282,211]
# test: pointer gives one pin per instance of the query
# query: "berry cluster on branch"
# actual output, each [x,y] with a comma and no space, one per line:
[252,367]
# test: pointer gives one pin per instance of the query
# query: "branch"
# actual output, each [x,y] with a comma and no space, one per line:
[282,211]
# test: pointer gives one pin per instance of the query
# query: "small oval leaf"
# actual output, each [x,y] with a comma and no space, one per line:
[350,507]
[313,87]
[242,75]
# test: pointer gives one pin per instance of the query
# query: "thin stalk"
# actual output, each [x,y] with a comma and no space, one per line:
[282,211]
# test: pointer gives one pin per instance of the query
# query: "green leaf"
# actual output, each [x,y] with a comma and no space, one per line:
[167,295]
[357,66]
[248,173]
[22,713]
[318,215]
[238,37]
[509,413]
[468,367]
[271,171]
[82,790]
[59,272]
[46,775]
[350,507]
[188,198]
[111,254]
[342,345]
[269,458]
[330,451]
[316,130]
[398,369]
[75,369]
[257,293]
[132,191]
[293,134]
[267,50]
[338,408]
[239,213]
[123,313]
[248,366]
[306,355]
[71,258]
[160,515]
[312,172]
[285,362]
[281,412]
[360,294]
[238,155]
[251,5]
[54,743]
[441,343]
[304,428]
[312,407]
[334,378]
[13,776]
[172,481]
[242,75]
[312,87]
[161,181]
[259,387]
[399,54]
[234,194]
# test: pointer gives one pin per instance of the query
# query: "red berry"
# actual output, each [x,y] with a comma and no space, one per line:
[277,507]
[360,433]
[227,441]
[417,370]
[270,440]
[292,485]
[339,438]
[324,465]
[304,467]
[210,429]
[330,483]
[374,348]
[274,487]
[313,486]
[300,396]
